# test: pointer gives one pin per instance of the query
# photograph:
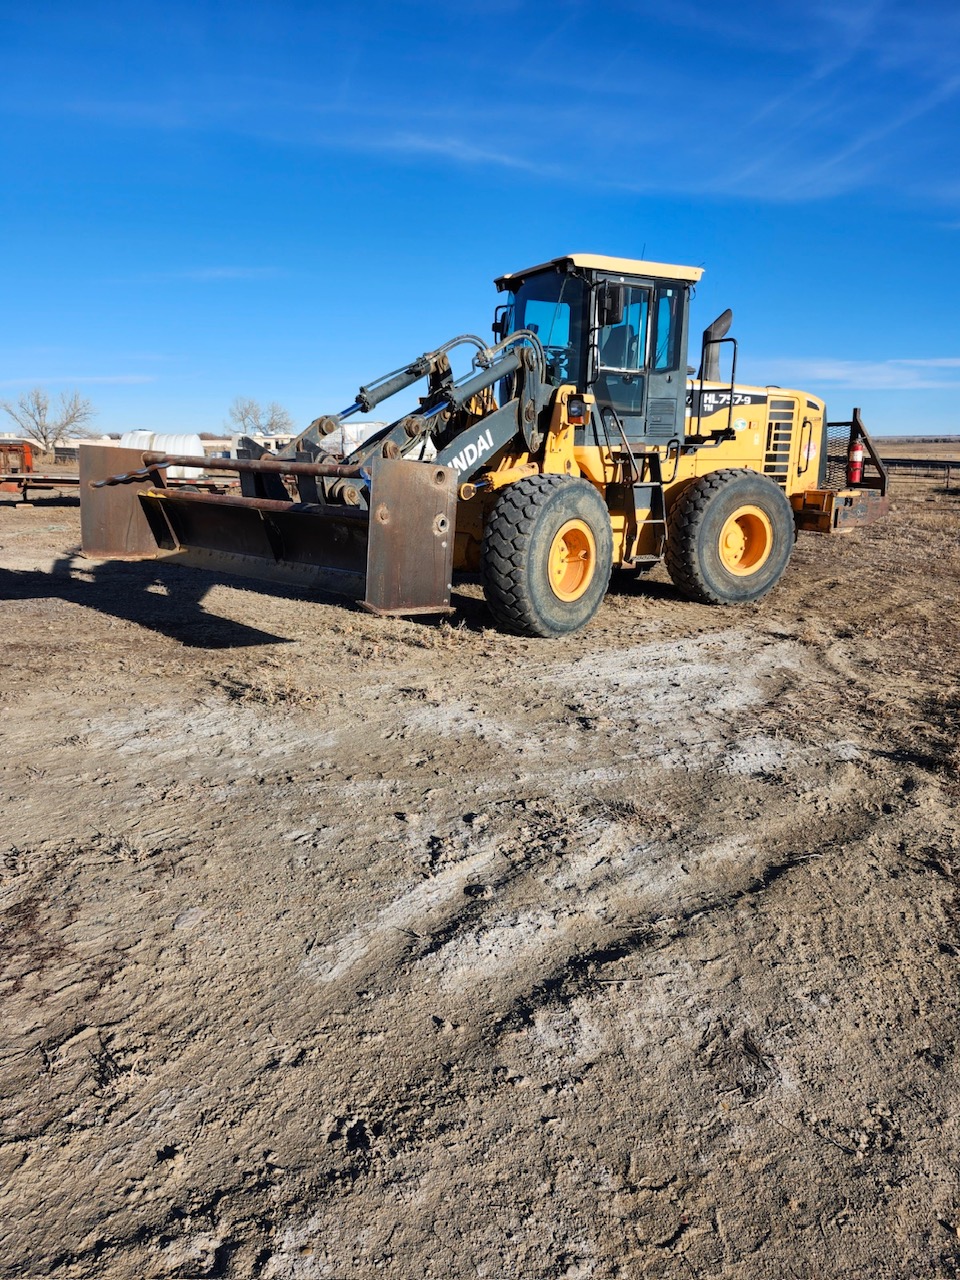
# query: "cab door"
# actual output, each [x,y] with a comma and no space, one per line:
[621,353]
[666,377]
[641,364]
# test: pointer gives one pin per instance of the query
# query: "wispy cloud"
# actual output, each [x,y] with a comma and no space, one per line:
[93,379]
[771,103]
[936,362]
[460,150]
[206,275]
[159,114]
[809,96]
[948,88]
[936,373]
[202,275]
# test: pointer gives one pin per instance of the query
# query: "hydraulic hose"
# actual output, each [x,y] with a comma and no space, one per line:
[522,335]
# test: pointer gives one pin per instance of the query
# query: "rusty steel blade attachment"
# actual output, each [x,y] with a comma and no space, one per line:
[396,555]
[113,525]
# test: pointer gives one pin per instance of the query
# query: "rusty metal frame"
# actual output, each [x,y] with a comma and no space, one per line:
[113,523]
[411,537]
[397,556]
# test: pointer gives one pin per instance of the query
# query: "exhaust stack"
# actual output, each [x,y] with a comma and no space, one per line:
[710,351]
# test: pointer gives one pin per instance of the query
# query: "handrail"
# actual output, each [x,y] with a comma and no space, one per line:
[719,342]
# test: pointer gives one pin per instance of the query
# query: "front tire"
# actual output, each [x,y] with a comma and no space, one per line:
[730,537]
[547,555]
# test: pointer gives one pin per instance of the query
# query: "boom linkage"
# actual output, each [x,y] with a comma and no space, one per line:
[445,412]
[376,524]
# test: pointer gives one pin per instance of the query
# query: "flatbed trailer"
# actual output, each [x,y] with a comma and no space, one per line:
[21,482]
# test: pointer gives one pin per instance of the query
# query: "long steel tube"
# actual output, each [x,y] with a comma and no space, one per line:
[259,504]
[276,465]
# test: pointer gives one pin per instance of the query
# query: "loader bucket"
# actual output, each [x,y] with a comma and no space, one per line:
[396,556]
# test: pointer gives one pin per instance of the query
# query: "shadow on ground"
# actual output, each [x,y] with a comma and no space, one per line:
[168,598]
[163,598]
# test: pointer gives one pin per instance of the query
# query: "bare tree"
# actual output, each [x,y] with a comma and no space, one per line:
[279,421]
[251,418]
[50,426]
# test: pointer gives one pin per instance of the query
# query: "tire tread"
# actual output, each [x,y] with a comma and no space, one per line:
[686,519]
[506,538]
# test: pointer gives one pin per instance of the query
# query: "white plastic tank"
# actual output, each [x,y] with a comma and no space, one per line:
[137,440]
[158,442]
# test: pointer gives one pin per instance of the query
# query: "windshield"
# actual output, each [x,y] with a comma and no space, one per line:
[553,306]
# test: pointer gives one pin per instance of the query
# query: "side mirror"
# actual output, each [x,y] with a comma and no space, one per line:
[610,302]
[501,323]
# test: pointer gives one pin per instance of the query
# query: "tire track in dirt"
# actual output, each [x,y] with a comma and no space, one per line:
[368,947]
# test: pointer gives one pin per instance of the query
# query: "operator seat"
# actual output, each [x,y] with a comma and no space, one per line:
[619,348]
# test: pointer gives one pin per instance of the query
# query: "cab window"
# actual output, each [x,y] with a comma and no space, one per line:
[624,345]
[667,342]
[552,305]
[622,352]
[550,321]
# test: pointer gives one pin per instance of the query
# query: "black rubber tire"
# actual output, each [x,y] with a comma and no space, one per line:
[693,545]
[520,531]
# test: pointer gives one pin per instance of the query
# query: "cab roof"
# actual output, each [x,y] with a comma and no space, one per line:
[614,266]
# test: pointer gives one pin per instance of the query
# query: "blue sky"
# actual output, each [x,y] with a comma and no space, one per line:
[282,200]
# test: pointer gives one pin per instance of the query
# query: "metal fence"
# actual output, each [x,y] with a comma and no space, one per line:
[946,470]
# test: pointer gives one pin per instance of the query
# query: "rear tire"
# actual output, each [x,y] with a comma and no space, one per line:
[730,538]
[547,555]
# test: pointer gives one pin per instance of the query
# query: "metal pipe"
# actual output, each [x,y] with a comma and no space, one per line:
[260,504]
[512,340]
[274,465]
[463,340]
[710,349]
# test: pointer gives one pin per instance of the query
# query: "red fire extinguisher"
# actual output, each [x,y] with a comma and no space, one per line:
[855,462]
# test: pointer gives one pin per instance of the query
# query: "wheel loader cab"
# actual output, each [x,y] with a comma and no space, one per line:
[613,326]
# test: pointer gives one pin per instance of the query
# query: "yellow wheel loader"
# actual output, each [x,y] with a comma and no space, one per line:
[577,443]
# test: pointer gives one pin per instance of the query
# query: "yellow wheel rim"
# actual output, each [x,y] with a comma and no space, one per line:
[746,541]
[573,560]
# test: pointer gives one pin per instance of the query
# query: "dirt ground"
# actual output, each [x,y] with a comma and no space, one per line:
[342,947]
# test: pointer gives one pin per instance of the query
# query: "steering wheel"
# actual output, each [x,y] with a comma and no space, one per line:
[558,359]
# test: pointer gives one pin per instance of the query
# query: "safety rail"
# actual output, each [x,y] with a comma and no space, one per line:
[841,436]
